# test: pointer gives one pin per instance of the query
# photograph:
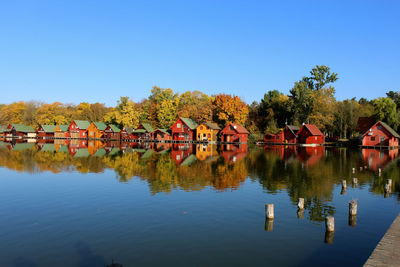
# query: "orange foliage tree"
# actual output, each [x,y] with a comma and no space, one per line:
[228,108]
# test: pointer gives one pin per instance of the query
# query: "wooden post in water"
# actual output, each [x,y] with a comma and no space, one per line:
[361,168]
[269,211]
[329,237]
[330,224]
[269,225]
[300,213]
[354,170]
[344,187]
[300,203]
[389,182]
[355,182]
[353,207]
[352,221]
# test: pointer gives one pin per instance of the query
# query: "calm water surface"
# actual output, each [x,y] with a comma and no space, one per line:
[85,203]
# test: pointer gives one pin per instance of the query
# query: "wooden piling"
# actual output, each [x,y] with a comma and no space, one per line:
[361,168]
[344,184]
[353,207]
[300,214]
[354,170]
[352,220]
[300,203]
[330,224]
[329,237]
[389,182]
[269,225]
[269,211]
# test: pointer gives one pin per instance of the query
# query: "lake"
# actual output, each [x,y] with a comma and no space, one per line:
[80,203]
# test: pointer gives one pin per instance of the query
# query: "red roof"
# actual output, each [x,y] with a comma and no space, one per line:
[364,124]
[237,128]
[313,129]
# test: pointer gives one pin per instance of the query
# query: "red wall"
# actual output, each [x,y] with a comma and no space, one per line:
[182,133]
[305,137]
[72,128]
[374,139]
[289,137]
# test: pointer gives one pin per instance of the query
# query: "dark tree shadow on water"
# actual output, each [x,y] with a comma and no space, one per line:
[87,258]
[23,262]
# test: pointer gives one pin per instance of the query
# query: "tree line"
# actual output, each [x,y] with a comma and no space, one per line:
[311,100]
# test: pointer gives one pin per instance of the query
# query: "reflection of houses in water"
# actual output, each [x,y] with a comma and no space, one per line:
[179,152]
[206,151]
[160,147]
[94,145]
[233,152]
[75,144]
[310,156]
[378,158]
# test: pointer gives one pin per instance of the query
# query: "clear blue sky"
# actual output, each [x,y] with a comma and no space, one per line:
[97,51]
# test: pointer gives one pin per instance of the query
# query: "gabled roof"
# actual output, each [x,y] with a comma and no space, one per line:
[48,128]
[189,123]
[63,128]
[129,130]
[364,124]
[140,131]
[211,125]
[23,128]
[294,129]
[237,128]
[387,127]
[114,128]
[83,125]
[100,125]
[166,131]
[147,127]
[313,129]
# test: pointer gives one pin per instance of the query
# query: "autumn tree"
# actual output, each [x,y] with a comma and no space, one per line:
[195,105]
[126,113]
[228,108]
[164,105]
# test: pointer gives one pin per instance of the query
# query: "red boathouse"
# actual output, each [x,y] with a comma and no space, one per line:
[309,134]
[46,131]
[78,129]
[183,130]
[234,133]
[380,134]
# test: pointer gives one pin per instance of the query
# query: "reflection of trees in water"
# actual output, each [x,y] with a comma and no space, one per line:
[308,173]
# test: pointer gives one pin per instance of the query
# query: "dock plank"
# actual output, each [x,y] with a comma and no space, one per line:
[387,252]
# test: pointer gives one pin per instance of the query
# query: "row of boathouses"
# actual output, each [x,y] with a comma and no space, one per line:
[184,129]
[372,133]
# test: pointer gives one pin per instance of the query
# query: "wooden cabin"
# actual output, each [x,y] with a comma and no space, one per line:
[380,134]
[274,138]
[309,134]
[46,131]
[61,131]
[287,135]
[78,129]
[183,130]
[207,131]
[162,135]
[20,130]
[112,132]
[124,134]
[96,130]
[234,133]
[143,132]
[290,134]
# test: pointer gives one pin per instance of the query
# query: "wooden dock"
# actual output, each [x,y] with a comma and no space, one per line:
[387,252]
